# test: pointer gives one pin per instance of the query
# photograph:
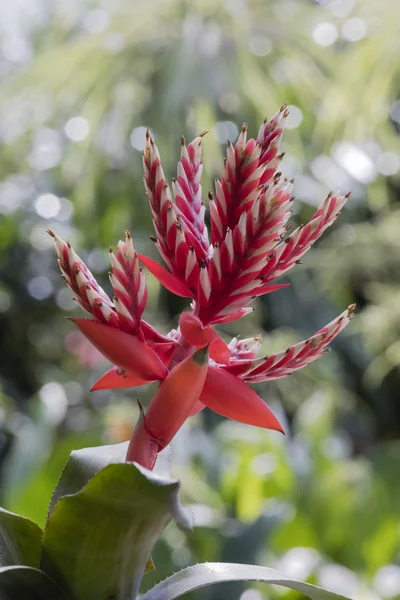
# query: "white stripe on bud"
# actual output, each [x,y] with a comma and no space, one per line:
[190,263]
[123,311]
[205,282]
[215,218]
[220,196]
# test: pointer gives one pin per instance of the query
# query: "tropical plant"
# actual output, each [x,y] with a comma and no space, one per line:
[107,510]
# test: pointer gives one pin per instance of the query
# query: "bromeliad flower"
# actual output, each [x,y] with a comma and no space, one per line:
[250,247]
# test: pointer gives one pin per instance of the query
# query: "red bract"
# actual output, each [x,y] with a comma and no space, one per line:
[170,407]
[249,249]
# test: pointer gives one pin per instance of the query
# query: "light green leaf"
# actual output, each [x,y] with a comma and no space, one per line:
[97,542]
[198,576]
[20,583]
[83,464]
[20,540]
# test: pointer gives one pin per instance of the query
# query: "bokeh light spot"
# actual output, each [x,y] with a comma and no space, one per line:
[47,150]
[325,34]
[225,130]
[299,562]
[388,163]
[96,21]
[295,117]
[354,29]
[229,102]
[339,579]
[16,49]
[47,206]
[260,45]
[138,137]
[341,8]
[387,581]
[40,287]
[77,129]
[54,398]
[355,161]
[64,300]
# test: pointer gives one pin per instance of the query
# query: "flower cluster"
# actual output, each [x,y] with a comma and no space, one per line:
[250,247]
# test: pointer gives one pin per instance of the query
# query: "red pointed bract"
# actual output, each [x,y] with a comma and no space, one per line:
[173,401]
[228,396]
[199,406]
[117,378]
[196,335]
[142,448]
[123,349]
[164,351]
[193,331]
[219,351]
[169,281]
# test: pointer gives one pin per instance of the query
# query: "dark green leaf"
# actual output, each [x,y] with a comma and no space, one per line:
[198,576]
[97,542]
[20,540]
[25,583]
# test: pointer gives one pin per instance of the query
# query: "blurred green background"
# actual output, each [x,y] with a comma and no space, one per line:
[80,82]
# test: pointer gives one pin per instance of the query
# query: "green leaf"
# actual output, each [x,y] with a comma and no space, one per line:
[97,542]
[83,464]
[18,583]
[198,576]
[20,540]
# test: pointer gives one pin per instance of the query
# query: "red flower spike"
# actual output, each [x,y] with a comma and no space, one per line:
[177,225]
[128,282]
[187,189]
[241,255]
[296,357]
[248,221]
[123,349]
[117,378]
[170,408]
[228,396]
[250,248]
[299,242]
[88,294]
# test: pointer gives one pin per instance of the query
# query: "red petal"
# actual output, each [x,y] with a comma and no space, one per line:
[175,399]
[142,448]
[116,378]
[169,281]
[230,397]
[193,331]
[267,289]
[123,349]
[151,334]
[164,351]
[197,408]
[196,335]
[219,351]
